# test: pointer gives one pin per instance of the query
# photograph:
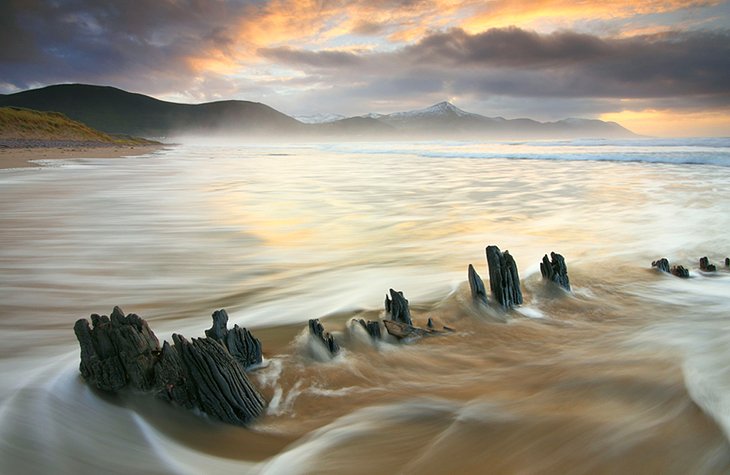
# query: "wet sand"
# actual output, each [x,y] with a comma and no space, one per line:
[24,157]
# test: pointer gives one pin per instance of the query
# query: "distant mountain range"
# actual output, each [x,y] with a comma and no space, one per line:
[116,111]
[446,116]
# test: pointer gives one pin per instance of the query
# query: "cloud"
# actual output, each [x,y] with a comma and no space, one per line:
[570,14]
[318,59]
[124,40]
[508,47]
[114,42]
[515,62]
[18,44]
[365,27]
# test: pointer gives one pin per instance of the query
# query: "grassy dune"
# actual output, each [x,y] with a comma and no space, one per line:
[26,124]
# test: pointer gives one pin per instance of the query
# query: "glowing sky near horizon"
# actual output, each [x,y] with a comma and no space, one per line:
[657,67]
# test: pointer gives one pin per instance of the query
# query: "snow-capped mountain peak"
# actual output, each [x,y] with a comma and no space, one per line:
[321,118]
[372,115]
[437,110]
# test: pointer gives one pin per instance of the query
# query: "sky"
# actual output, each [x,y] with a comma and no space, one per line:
[657,67]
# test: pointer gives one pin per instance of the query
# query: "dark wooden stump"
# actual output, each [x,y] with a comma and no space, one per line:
[122,352]
[372,327]
[117,351]
[217,381]
[661,264]
[680,271]
[476,284]
[239,342]
[317,331]
[402,330]
[555,270]
[706,266]
[397,307]
[504,280]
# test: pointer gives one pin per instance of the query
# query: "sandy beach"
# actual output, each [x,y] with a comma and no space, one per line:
[24,157]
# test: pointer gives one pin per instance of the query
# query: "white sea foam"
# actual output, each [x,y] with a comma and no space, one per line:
[531,312]
[696,151]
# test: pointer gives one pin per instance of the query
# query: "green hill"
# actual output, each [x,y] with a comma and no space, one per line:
[25,124]
[116,111]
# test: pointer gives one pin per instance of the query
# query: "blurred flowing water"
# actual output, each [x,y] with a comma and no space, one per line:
[628,373]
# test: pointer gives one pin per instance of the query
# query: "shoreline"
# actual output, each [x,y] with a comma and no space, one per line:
[23,157]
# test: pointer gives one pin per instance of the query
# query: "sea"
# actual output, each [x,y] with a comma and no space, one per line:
[628,372]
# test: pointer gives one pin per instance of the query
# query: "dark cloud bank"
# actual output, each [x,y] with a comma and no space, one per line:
[521,63]
[140,44]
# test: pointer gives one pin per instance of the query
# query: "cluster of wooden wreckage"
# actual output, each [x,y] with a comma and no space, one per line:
[120,352]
